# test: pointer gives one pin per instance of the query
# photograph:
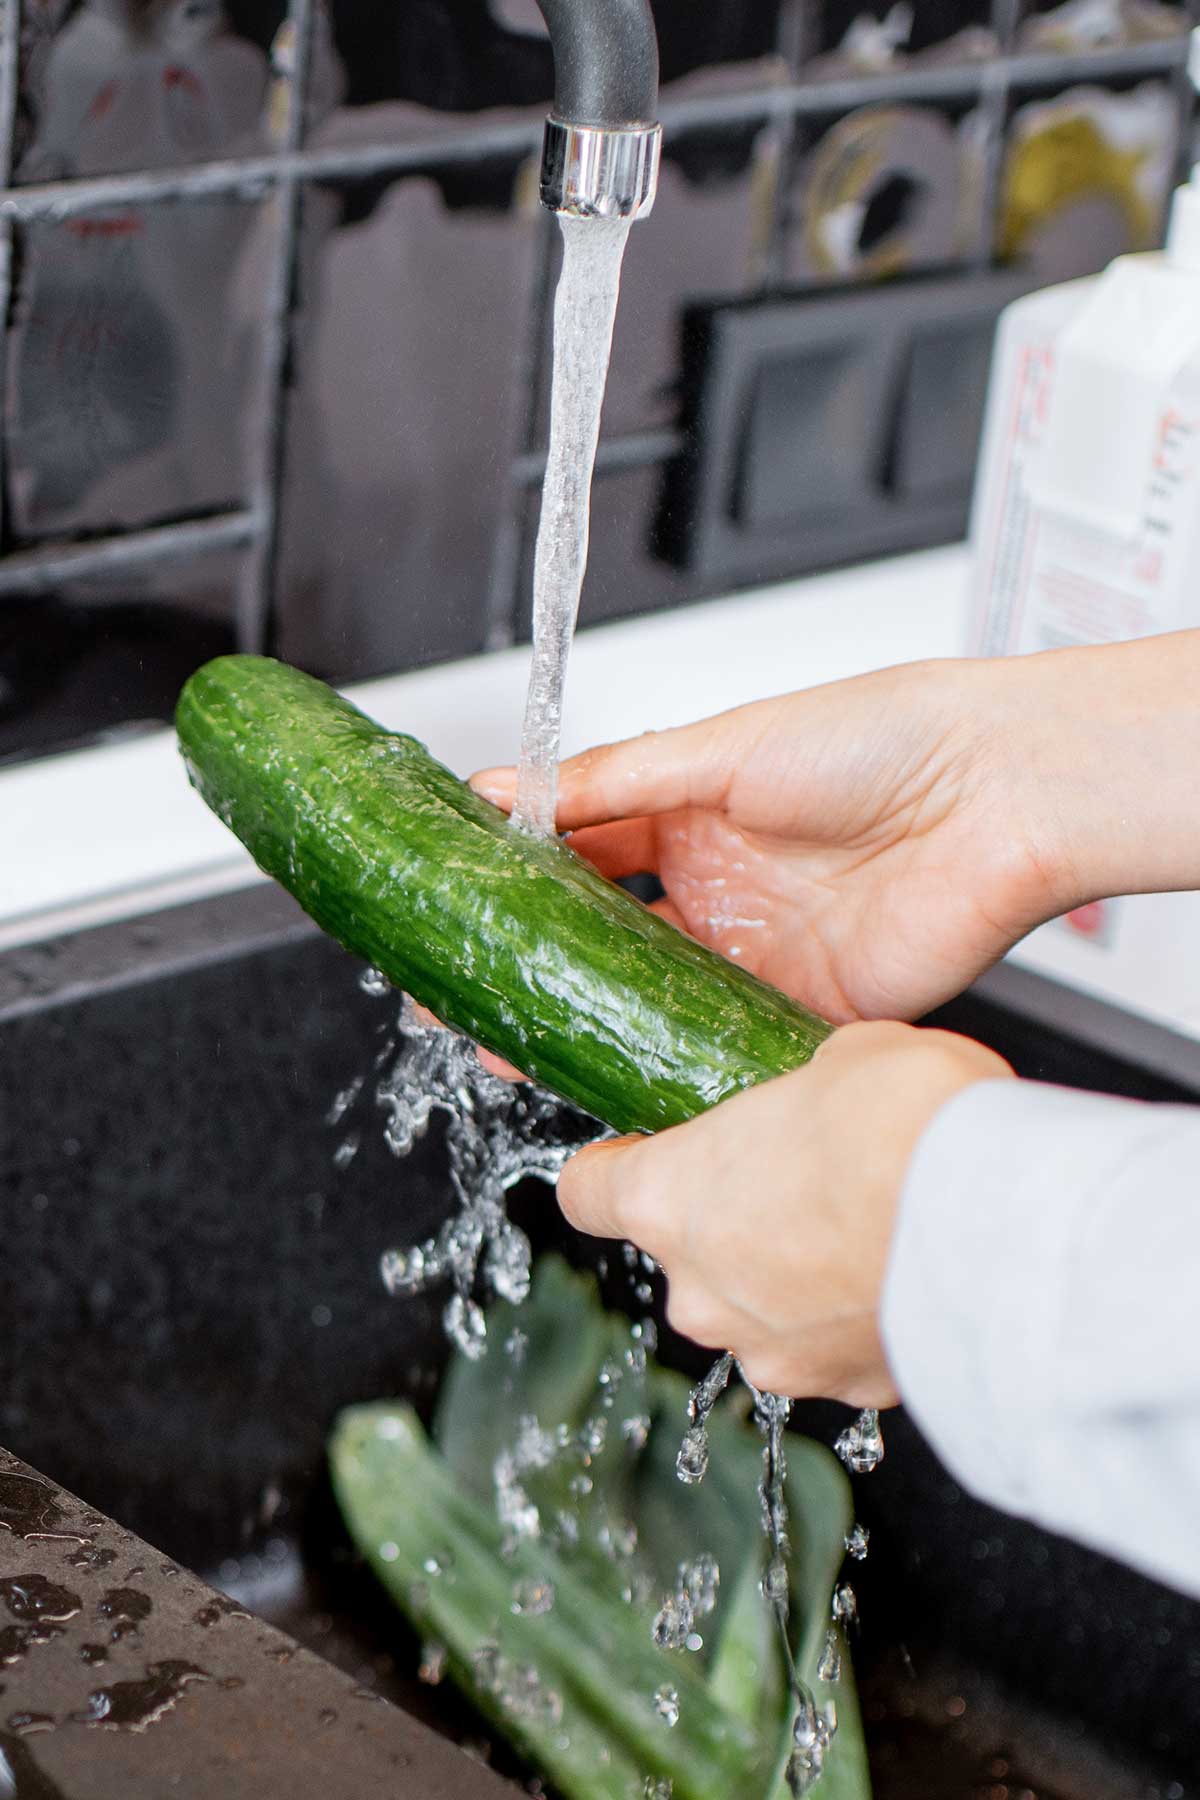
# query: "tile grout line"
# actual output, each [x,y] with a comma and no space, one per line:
[282,176]
[10,76]
[509,559]
[257,597]
[526,375]
[37,570]
[244,175]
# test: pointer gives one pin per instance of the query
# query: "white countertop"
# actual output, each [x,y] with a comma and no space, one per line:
[104,833]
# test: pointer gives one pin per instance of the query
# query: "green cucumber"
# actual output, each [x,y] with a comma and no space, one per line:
[511,939]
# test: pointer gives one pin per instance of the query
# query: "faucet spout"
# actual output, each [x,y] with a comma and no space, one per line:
[602,146]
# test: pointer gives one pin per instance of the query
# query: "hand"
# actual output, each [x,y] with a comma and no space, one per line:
[873,845]
[869,847]
[773,1213]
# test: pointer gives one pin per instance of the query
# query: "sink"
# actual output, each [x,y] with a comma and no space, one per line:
[191,1292]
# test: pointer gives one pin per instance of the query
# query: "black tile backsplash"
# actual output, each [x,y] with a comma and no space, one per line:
[109,651]
[413,313]
[276,283]
[142,84]
[134,357]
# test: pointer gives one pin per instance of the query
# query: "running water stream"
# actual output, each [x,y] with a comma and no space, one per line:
[499,1133]
[585,309]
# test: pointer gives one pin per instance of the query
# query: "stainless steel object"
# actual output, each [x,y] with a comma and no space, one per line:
[600,171]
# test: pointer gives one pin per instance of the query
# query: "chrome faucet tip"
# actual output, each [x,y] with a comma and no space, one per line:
[600,171]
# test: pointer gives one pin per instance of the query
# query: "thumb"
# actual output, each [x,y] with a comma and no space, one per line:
[595,1188]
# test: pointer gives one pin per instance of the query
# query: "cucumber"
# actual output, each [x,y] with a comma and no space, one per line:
[513,940]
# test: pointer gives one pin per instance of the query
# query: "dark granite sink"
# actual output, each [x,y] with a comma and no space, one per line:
[190,1291]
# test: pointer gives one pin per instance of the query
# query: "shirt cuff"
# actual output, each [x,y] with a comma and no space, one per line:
[1007,1215]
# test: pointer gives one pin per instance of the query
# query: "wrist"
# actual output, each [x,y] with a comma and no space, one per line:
[1114,758]
[1103,739]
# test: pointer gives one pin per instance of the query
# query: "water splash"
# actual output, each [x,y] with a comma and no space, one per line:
[585,309]
[497,1134]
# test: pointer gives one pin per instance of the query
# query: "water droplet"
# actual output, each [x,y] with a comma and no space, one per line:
[343,1101]
[700,1579]
[618,1541]
[592,1437]
[845,1606]
[466,1326]
[860,1446]
[673,1623]
[691,1464]
[28,1724]
[136,1705]
[857,1543]
[829,1668]
[31,1507]
[643,1293]
[32,1598]
[375,983]
[433,1664]
[704,1397]
[811,1738]
[776,1585]
[403,1271]
[515,1346]
[346,1151]
[666,1704]
[658,1787]
[508,1266]
[635,1431]
[533,1597]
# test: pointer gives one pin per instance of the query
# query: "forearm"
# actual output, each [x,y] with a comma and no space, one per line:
[1039,1313]
[1108,739]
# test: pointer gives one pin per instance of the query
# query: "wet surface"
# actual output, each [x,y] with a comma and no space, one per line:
[131,1249]
[30,1508]
[159,1683]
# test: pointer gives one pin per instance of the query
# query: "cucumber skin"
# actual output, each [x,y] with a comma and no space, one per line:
[513,940]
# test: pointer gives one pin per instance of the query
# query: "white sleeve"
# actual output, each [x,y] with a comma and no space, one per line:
[1042,1313]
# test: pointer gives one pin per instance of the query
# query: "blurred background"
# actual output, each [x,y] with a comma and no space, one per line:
[275,291]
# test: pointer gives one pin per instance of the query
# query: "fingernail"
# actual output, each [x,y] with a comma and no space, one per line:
[495,785]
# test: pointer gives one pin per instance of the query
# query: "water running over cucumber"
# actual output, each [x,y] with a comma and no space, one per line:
[497,1134]
[585,309]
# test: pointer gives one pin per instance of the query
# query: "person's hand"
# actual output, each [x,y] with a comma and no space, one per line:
[772,1214]
[869,847]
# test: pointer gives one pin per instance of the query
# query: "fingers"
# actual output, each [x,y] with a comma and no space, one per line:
[496,1065]
[628,847]
[497,785]
[595,1189]
[662,771]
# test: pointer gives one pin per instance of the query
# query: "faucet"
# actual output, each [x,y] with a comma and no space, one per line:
[601,151]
